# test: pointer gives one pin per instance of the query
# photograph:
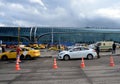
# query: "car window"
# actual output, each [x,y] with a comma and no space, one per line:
[32,49]
[85,48]
[13,51]
[24,49]
[76,49]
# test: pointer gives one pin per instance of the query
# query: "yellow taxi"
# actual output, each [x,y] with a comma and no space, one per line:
[25,53]
[37,46]
[42,46]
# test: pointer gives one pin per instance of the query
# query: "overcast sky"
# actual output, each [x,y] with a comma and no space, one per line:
[75,13]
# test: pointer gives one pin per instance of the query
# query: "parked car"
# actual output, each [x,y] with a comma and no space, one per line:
[25,53]
[77,52]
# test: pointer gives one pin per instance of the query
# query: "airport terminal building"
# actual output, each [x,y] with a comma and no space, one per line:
[58,35]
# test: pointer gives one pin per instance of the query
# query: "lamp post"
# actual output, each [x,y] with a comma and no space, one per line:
[18,35]
[52,37]
[35,38]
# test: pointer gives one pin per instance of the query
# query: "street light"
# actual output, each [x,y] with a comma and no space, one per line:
[35,38]
[52,36]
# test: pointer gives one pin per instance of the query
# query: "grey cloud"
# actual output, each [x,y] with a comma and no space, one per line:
[58,13]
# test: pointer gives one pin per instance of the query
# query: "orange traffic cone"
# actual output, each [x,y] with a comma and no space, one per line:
[82,65]
[17,66]
[55,64]
[112,64]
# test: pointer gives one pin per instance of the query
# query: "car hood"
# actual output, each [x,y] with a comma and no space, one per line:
[63,51]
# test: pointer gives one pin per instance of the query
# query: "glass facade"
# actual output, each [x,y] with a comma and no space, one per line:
[57,35]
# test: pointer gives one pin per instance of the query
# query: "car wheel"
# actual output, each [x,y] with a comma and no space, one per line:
[66,57]
[22,57]
[4,58]
[28,57]
[90,56]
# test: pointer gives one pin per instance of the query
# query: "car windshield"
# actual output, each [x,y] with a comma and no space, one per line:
[27,49]
[13,50]
[68,49]
[31,48]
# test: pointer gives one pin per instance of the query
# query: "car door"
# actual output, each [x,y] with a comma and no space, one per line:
[12,54]
[84,52]
[74,53]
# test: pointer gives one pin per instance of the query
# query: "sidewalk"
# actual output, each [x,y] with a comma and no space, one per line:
[110,53]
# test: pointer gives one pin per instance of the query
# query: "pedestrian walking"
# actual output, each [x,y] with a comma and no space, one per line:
[113,48]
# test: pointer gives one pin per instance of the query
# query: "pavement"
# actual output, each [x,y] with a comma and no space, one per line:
[103,74]
[40,71]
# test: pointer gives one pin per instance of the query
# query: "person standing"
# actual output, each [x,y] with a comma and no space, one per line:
[3,48]
[114,48]
[0,49]
[98,51]
[18,52]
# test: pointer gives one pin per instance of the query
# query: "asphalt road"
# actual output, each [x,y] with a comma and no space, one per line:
[40,71]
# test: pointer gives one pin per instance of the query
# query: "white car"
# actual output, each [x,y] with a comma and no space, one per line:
[77,52]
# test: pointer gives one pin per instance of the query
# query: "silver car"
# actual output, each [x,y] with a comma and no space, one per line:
[77,52]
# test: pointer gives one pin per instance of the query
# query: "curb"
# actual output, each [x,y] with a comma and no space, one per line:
[111,54]
[56,56]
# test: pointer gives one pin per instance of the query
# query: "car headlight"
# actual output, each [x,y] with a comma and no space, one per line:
[61,53]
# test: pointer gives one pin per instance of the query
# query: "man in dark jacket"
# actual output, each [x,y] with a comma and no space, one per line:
[3,49]
[98,51]
[113,48]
